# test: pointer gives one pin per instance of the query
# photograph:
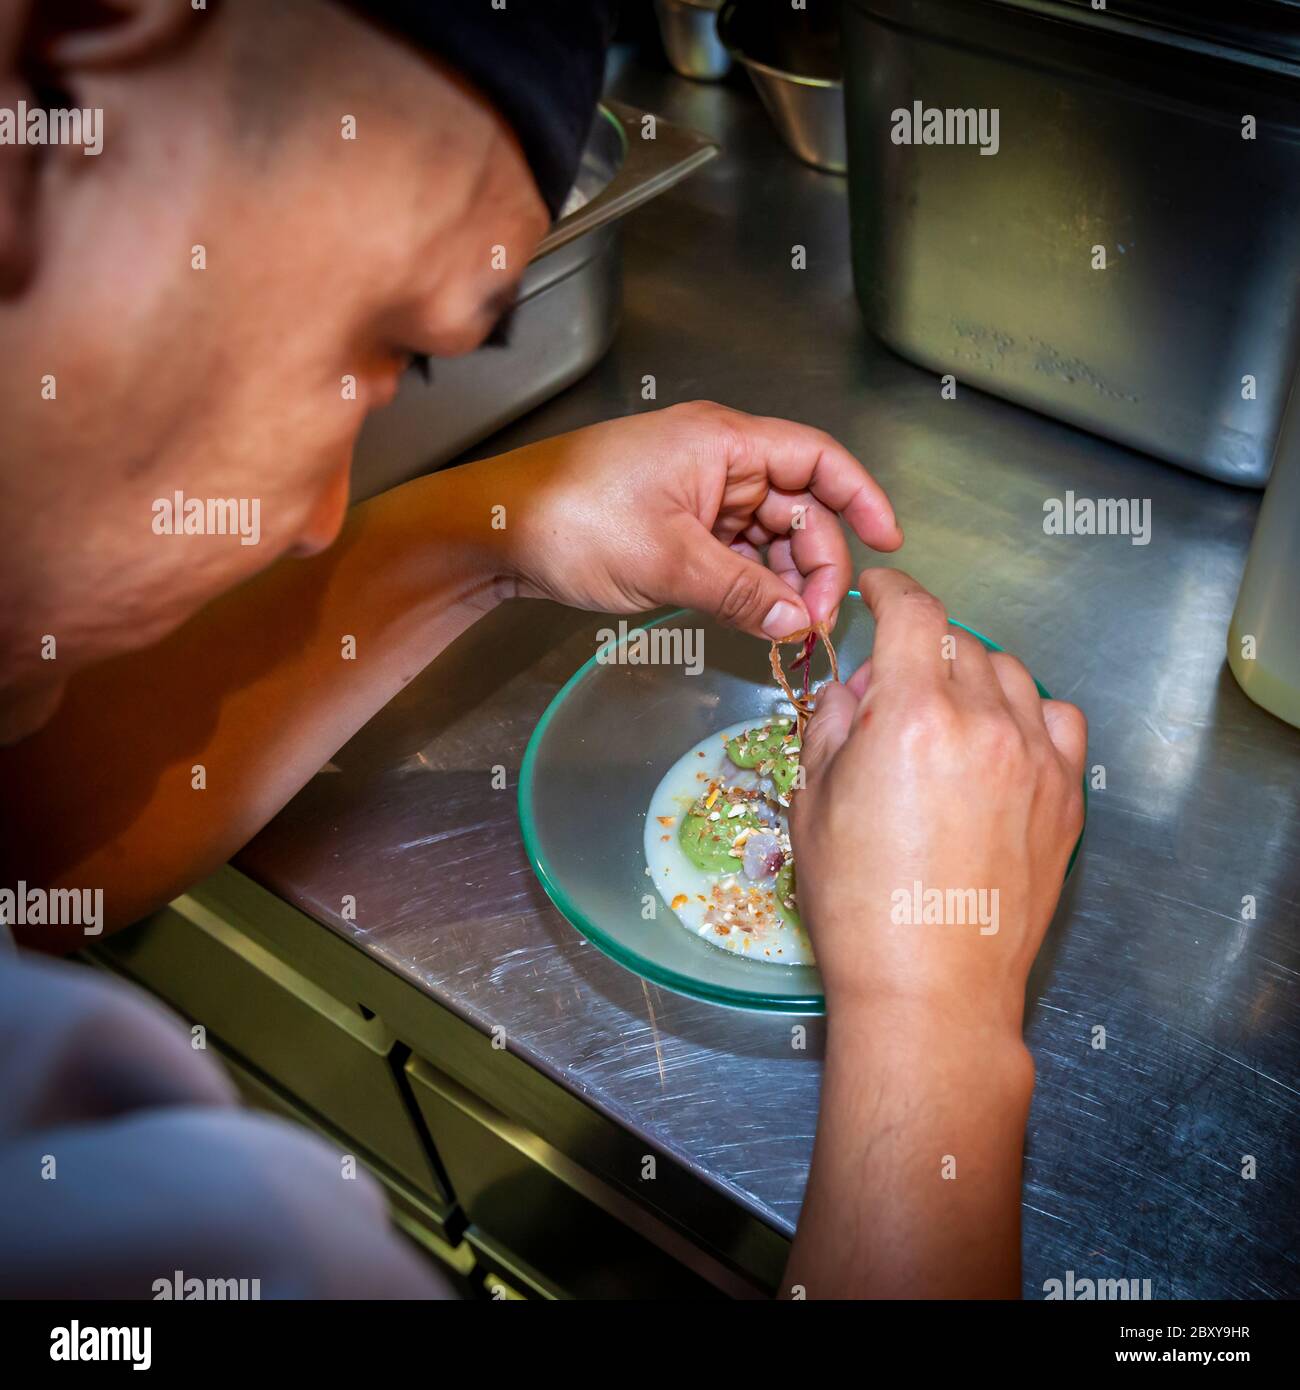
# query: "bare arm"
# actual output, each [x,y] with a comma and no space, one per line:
[943,799]
[259,689]
[915,1187]
[661,507]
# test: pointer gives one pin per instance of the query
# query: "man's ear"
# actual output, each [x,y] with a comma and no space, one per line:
[108,33]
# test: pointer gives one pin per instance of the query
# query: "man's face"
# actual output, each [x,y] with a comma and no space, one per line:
[212,304]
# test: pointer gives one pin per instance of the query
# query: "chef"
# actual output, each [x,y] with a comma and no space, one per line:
[292,204]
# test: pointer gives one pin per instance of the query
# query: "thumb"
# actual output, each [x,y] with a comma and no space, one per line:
[827,730]
[741,592]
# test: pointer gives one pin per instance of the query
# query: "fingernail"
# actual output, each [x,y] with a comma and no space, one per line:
[783,618]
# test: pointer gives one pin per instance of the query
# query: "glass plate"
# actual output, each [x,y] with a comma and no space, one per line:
[593,763]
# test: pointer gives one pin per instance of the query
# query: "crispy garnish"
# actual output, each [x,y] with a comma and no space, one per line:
[802,703]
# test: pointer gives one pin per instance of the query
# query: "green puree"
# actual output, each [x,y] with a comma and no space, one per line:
[707,843]
[785,888]
[773,750]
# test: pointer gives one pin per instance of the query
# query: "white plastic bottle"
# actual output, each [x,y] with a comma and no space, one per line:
[1264,635]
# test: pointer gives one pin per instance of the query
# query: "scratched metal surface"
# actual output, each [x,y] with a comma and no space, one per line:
[1135,1152]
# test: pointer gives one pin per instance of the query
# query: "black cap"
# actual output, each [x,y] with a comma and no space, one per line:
[540,62]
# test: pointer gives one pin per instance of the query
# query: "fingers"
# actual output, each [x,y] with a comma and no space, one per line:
[752,552]
[1062,723]
[827,730]
[910,627]
[781,562]
[737,590]
[821,552]
[860,681]
[1068,730]
[800,459]
[971,670]
[813,543]
[1018,687]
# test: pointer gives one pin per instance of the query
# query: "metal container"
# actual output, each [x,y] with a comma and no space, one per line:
[794,66]
[1114,133]
[565,319]
[689,29]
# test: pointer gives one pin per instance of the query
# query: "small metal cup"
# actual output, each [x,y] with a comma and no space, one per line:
[808,112]
[689,29]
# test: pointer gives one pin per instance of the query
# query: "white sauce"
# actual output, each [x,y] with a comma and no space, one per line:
[771,939]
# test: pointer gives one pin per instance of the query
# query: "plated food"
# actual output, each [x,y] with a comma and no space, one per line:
[608,743]
[717,842]
[717,834]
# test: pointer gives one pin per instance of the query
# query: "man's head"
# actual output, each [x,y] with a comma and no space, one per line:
[289,202]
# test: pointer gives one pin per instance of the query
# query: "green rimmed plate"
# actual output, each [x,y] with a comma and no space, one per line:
[592,766]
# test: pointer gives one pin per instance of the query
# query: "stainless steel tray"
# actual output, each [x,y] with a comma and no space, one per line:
[566,317]
[1110,134]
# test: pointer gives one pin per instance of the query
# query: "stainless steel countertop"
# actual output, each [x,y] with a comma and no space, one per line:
[1134,1153]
